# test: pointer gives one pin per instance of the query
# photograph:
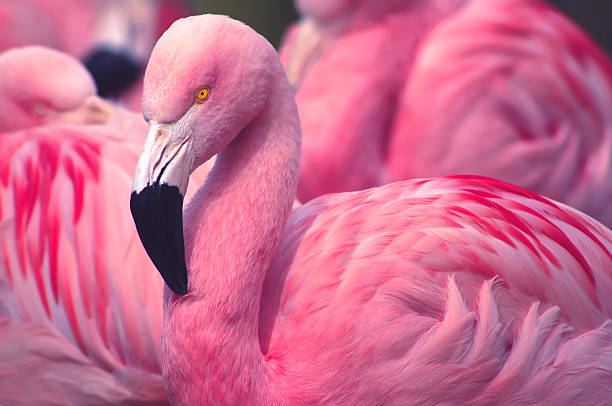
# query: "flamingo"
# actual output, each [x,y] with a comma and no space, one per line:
[91,324]
[456,290]
[348,61]
[76,327]
[509,89]
[91,329]
[167,11]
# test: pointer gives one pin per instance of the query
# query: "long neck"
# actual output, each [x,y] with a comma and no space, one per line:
[210,343]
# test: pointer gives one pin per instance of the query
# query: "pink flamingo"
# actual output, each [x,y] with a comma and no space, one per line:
[544,122]
[459,290]
[509,89]
[91,328]
[75,284]
[349,60]
[167,11]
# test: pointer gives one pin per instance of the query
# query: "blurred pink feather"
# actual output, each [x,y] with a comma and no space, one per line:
[509,89]
[71,261]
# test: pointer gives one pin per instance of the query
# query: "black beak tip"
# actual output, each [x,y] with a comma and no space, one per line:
[158,214]
[180,288]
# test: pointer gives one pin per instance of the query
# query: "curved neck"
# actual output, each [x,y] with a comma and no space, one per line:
[210,344]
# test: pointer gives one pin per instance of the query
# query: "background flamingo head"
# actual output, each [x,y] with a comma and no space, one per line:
[207,79]
[39,85]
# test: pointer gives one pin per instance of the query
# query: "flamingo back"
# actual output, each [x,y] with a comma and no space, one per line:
[442,291]
[70,260]
[520,94]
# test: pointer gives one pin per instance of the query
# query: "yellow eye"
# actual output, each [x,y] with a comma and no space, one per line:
[202,94]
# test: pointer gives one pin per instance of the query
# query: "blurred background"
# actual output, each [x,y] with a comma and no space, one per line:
[114,38]
[594,15]
[268,17]
[271,17]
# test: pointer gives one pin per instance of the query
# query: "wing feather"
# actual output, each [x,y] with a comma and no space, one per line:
[70,256]
[521,94]
[448,283]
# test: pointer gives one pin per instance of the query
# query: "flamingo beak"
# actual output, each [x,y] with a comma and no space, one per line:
[156,203]
[93,110]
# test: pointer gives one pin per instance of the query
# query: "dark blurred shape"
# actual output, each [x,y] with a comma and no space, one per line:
[595,16]
[113,70]
[270,18]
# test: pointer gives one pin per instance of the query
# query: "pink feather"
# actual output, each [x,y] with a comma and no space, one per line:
[509,89]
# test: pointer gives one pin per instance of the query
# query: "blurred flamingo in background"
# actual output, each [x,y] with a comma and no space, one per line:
[348,61]
[75,284]
[458,290]
[79,309]
[519,94]
[391,90]
[125,34]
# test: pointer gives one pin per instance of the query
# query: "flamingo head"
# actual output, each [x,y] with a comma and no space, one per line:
[207,79]
[42,86]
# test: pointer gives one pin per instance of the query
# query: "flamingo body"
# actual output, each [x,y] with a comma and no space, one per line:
[66,240]
[517,100]
[456,290]
[348,72]
[435,291]
[521,94]
[65,244]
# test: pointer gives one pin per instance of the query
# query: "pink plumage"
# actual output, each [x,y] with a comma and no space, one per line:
[80,309]
[457,290]
[509,89]
[521,94]
[73,275]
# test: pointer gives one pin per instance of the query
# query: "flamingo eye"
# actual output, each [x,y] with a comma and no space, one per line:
[202,94]
[40,109]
